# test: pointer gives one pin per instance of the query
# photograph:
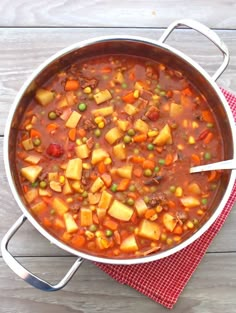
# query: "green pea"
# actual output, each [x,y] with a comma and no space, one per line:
[93,228]
[131,132]
[150,147]
[172,188]
[146,199]
[156,169]
[52,115]
[195,221]
[207,155]
[210,125]
[85,194]
[37,142]
[97,145]
[204,201]
[147,172]
[157,91]
[108,232]
[162,162]
[169,241]
[35,184]
[132,188]
[82,107]
[114,187]
[43,184]
[162,93]
[127,139]
[163,237]
[153,189]
[130,201]
[124,85]
[84,139]
[97,132]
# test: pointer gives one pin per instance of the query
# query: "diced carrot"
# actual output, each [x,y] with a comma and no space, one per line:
[203,134]
[72,134]
[93,176]
[131,76]
[143,84]
[35,134]
[116,252]
[195,159]
[106,70]
[106,179]
[123,185]
[82,132]
[138,172]
[149,164]
[111,224]
[207,116]
[101,167]
[169,159]
[78,241]
[47,222]
[171,204]
[159,149]
[117,237]
[178,230]
[51,127]
[129,98]
[134,218]
[149,213]
[208,138]
[71,85]
[140,138]
[132,195]
[136,159]
[187,92]
[47,200]
[95,219]
[25,188]
[212,176]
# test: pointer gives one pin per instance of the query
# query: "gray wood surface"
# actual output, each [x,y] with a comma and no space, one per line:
[31,31]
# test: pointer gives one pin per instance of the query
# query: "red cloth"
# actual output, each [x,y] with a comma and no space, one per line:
[164,280]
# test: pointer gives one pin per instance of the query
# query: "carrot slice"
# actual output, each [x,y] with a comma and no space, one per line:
[134,218]
[106,179]
[136,159]
[82,132]
[171,204]
[35,134]
[149,164]
[140,138]
[138,172]
[51,127]
[207,116]
[72,134]
[109,223]
[106,70]
[47,222]
[169,159]
[101,167]
[132,195]
[71,85]
[149,213]
[195,159]
[78,241]
[178,230]
[208,138]
[129,98]
[123,185]
[212,176]
[187,92]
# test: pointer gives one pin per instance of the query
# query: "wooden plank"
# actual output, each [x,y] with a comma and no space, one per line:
[22,50]
[28,241]
[151,13]
[91,290]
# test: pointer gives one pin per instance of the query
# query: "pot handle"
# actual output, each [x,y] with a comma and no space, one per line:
[207,32]
[22,272]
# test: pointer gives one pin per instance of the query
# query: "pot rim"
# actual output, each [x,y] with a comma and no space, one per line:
[56,241]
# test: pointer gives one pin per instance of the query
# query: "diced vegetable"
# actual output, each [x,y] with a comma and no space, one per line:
[73,120]
[28,144]
[97,185]
[194,188]
[106,111]
[44,193]
[86,217]
[169,221]
[101,213]
[130,109]
[129,244]
[190,202]
[119,77]
[70,223]
[74,169]
[55,186]
[39,207]
[141,126]
[123,125]
[44,96]
[113,135]
[77,186]
[120,151]
[140,206]
[99,155]
[164,137]
[120,211]
[102,96]
[53,176]
[82,151]
[59,206]
[149,230]
[33,159]
[175,109]
[125,171]
[31,173]
[94,198]
[31,195]
[105,200]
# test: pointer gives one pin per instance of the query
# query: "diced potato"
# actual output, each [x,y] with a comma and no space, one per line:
[82,151]
[44,193]
[31,173]
[39,207]
[86,217]
[71,225]
[125,171]
[31,195]
[73,120]
[102,243]
[59,223]
[76,185]
[138,86]
[102,96]
[129,244]
[55,186]
[99,155]
[53,176]
[169,221]
[93,198]
[33,159]
[59,206]
[120,211]
[194,188]
[44,96]
[67,190]
[164,137]
[123,125]
[149,230]
[140,207]
[176,109]
[28,144]
[62,103]
[98,184]
[103,111]
[120,151]
[105,200]
[141,126]
[101,213]
[190,202]
[130,109]
[119,78]
[74,169]
[113,135]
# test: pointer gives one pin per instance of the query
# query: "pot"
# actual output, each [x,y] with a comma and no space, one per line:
[156,50]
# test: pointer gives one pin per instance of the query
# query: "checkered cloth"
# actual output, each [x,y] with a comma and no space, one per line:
[164,280]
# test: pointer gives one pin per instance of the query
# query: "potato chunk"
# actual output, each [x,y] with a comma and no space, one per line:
[130,109]
[103,111]
[97,185]
[169,221]
[31,173]
[176,109]
[120,151]
[86,217]
[31,195]
[141,126]
[113,135]
[71,225]
[149,230]
[164,137]
[105,200]
[129,244]
[44,96]
[99,155]
[120,211]
[82,151]
[190,202]
[28,144]
[102,96]
[73,120]
[125,171]
[74,169]
[33,159]
[123,125]
[140,207]
[59,206]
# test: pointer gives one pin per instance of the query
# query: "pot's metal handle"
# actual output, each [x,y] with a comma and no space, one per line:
[207,32]
[23,272]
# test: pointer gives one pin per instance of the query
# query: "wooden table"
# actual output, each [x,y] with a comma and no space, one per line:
[30,32]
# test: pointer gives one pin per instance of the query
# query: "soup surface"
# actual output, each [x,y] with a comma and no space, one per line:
[103,155]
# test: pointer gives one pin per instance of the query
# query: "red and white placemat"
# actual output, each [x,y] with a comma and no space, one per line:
[164,280]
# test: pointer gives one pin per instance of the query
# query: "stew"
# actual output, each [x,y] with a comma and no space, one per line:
[103,155]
